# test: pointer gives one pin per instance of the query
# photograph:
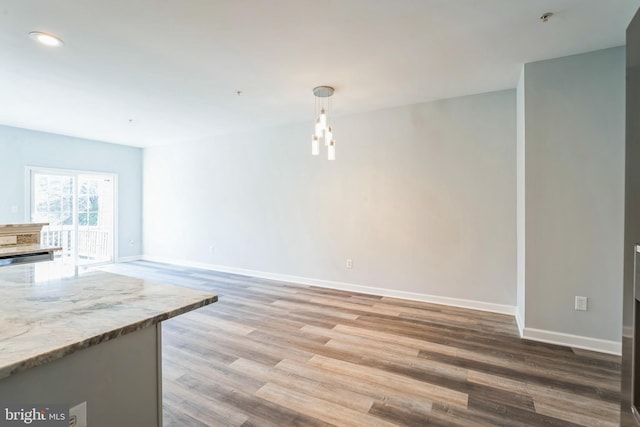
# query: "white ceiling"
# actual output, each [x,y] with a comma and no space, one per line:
[174,66]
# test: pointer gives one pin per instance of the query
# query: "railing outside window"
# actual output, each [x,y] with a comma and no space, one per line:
[93,243]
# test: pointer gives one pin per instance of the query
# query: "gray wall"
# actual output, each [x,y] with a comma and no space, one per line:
[520,203]
[421,197]
[574,192]
[119,380]
[20,148]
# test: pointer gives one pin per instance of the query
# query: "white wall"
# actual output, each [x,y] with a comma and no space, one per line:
[574,195]
[421,197]
[20,148]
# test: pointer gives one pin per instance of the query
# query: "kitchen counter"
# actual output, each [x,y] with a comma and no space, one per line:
[27,249]
[21,244]
[46,316]
[35,225]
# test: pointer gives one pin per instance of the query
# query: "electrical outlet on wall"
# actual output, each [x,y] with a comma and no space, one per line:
[349,263]
[78,415]
[581,303]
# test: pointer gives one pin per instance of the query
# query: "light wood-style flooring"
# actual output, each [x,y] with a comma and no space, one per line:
[272,353]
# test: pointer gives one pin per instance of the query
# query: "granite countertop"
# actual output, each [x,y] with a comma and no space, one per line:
[45,315]
[26,249]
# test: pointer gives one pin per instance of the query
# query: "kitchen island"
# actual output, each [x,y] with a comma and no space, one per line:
[91,338]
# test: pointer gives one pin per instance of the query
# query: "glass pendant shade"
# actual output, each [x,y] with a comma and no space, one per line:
[315,146]
[323,119]
[328,136]
[318,129]
[331,151]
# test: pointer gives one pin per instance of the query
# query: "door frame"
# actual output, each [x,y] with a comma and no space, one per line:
[29,170]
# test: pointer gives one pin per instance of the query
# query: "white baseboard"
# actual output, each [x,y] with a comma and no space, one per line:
[577,341]
[520,323]
[129,258]
[568,340]
[414,296]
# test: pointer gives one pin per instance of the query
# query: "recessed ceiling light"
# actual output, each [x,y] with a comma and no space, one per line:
[46,39]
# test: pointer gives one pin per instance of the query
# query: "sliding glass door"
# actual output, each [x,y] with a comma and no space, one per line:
[80,210]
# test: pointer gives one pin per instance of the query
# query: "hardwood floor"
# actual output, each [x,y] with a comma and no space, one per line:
[271,353]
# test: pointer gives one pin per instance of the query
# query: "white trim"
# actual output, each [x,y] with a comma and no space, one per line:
[520,323]
[129,258]
[116,215]
[27,195]
[30,170]
[577,341]
[455,302]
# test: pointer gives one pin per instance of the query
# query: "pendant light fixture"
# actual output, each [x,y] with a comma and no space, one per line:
[323,131]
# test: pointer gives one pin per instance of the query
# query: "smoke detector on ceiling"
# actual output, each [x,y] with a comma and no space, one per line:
[545,16]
